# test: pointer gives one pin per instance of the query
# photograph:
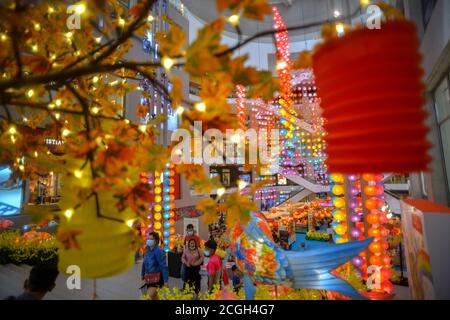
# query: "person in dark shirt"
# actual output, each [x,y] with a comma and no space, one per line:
[237,279]
[41,280]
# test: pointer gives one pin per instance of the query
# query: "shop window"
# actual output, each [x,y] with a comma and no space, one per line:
[45,189]
[442,103]
[10,193]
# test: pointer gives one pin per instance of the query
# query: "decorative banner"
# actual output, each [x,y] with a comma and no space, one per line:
[375,120]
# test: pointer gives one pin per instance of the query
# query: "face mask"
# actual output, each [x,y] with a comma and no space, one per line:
[206,252]
[192,247]
[150,242]
[190,233]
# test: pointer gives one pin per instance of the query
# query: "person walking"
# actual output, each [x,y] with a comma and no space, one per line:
[190,234]
[214,266]
[155,272]
[192,258]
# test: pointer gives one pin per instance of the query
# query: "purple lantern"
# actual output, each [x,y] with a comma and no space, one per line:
[355,233]
[355,218]
[353,204]
[357,261]
[354,190]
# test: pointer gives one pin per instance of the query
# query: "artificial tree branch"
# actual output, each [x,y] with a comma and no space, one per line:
[90,154]
[128,32]
[294,28]
[64,75]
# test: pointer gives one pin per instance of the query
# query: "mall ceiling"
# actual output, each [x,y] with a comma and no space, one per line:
[294,12]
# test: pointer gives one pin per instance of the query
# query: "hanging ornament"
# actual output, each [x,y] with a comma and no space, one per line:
[372,96]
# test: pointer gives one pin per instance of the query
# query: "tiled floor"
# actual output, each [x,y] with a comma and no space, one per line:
[124,286]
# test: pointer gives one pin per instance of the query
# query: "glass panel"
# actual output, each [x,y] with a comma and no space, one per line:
[10,193]
[442,101]
[445,132]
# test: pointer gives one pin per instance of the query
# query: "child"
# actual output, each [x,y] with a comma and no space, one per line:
[237,278]
[214,266]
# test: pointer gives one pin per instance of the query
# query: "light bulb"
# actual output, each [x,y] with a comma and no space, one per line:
[242,184]
[340,28]
[167,63]
[221,192]
[201,106]
[65,132]
[180,110]
[234,20]
[68,213]
[30,93]
[80,8]
[78,174]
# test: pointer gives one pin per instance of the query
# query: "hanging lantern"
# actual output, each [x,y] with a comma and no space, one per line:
[371,90]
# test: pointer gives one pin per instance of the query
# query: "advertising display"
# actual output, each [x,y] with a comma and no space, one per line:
[426,242]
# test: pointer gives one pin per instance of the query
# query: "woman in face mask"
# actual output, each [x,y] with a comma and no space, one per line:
[155,272]
[192,258]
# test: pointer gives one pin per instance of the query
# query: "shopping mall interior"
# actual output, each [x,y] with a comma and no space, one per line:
[225,150]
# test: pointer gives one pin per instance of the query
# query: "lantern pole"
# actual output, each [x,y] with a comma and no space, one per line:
[348,209]
[364,197]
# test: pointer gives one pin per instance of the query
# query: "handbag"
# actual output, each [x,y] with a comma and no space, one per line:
[152,278]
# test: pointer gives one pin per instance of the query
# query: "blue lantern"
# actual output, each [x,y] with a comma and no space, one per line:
[166,224]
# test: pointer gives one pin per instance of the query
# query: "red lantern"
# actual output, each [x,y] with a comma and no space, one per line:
[387,260]
[374,111]
[387,287]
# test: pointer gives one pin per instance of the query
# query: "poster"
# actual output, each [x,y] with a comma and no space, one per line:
[420,276]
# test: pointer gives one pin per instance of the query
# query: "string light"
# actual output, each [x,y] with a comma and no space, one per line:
[180,110]
[130,223]
[80,8]
[30,93]
[65,132]
[95,110]
[150,18]
[340,28]
[234,20]
[78,174]
[143,128]
[220,192]
[201,106]
[121,22]
[12,130]
[167,62]
[242,184]
[68,213]
[95,79]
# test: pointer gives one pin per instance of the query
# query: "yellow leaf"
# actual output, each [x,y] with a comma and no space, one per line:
[172,43]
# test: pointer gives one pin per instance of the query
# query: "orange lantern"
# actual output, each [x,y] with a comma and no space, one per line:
[372,218]
[376,260]
[374,232]
[373,203]
[375,247]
